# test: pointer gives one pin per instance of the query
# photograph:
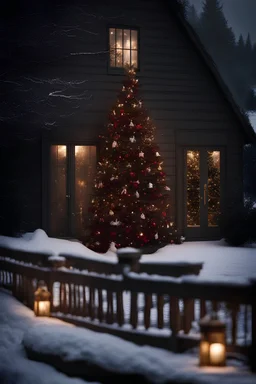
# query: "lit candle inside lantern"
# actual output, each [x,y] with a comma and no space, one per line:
[44,308]
[217,353]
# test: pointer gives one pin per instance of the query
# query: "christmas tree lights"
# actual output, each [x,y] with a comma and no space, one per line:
[131,201]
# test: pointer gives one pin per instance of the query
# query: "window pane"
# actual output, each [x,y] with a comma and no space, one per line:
[193,189]
[119,58]
[127,55]
[119,38]
[127,39]
[134,39]
[112,37]
[213,160]
[58,183]
[135,59]
[85,164]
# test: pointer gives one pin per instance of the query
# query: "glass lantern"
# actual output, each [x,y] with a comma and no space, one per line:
[42,300]
[213,342]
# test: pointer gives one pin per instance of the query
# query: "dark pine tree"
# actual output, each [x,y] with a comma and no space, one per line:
[217,36]
[131,200]
[192,16]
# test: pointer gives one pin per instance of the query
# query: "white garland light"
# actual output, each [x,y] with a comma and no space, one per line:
[115,223]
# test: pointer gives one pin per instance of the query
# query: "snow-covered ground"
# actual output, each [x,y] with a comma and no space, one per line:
[220,260]
[72,344]
[15,368]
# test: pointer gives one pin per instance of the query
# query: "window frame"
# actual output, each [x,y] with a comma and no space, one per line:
[120,70]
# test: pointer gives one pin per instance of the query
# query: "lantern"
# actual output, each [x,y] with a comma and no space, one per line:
[42,300]
[213,342]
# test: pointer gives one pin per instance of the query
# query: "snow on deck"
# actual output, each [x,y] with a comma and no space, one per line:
[76,344]
[15,319]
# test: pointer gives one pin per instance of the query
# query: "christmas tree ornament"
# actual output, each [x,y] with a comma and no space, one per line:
[114,144]
[132,139]
[128,165]
[124,191]
[114,112]
[157,154]
[115,223]
[123,89]
[159,168]
[140,104]
[142,216]
[141,154]
[137,194]
[150,185]
[156,236]
[111,213]
[167,188]
[100,185]
[131,124]
[148,169]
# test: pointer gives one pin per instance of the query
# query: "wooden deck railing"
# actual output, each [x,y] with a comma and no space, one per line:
[108,267]
[158,311]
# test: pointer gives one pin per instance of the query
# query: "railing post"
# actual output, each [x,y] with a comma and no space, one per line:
[252,354]
[129,257]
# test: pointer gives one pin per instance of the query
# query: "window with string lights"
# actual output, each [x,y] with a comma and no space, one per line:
[123,47]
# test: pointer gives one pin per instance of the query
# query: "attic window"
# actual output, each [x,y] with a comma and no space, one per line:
[123,46]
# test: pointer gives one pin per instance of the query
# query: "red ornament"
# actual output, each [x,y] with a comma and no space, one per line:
[132,174]
[164,214]
[113,234]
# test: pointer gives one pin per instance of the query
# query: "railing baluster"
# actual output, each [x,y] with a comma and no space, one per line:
[70,298]
[79,300]
[160,310]
[91,304]
[188,314]
[110,317]
[174,315]
[234,312]
[120,308]
[85,307]
[64,302]
[134,310]
[202,308]
[147,310]
[100,305]
[215,306]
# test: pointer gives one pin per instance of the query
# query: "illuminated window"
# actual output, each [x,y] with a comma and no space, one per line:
[123,45]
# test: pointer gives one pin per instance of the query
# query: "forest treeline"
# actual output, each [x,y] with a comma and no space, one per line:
[235,59]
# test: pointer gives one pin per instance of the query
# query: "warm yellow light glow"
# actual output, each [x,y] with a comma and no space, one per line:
[217,353]
[79,150]
[62,150]
[42,308]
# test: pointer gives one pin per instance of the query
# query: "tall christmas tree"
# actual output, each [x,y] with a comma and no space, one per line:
[131,201]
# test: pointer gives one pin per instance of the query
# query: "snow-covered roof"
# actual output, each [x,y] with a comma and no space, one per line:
[252,118]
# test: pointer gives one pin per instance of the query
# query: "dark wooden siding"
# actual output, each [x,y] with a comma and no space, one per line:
[177,88]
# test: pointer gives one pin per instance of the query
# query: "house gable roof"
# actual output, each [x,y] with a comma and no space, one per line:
[248,131]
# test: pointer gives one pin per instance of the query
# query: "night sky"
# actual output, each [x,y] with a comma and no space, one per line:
[241,15]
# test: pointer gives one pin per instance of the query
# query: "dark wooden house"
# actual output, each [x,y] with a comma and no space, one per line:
[67,71]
